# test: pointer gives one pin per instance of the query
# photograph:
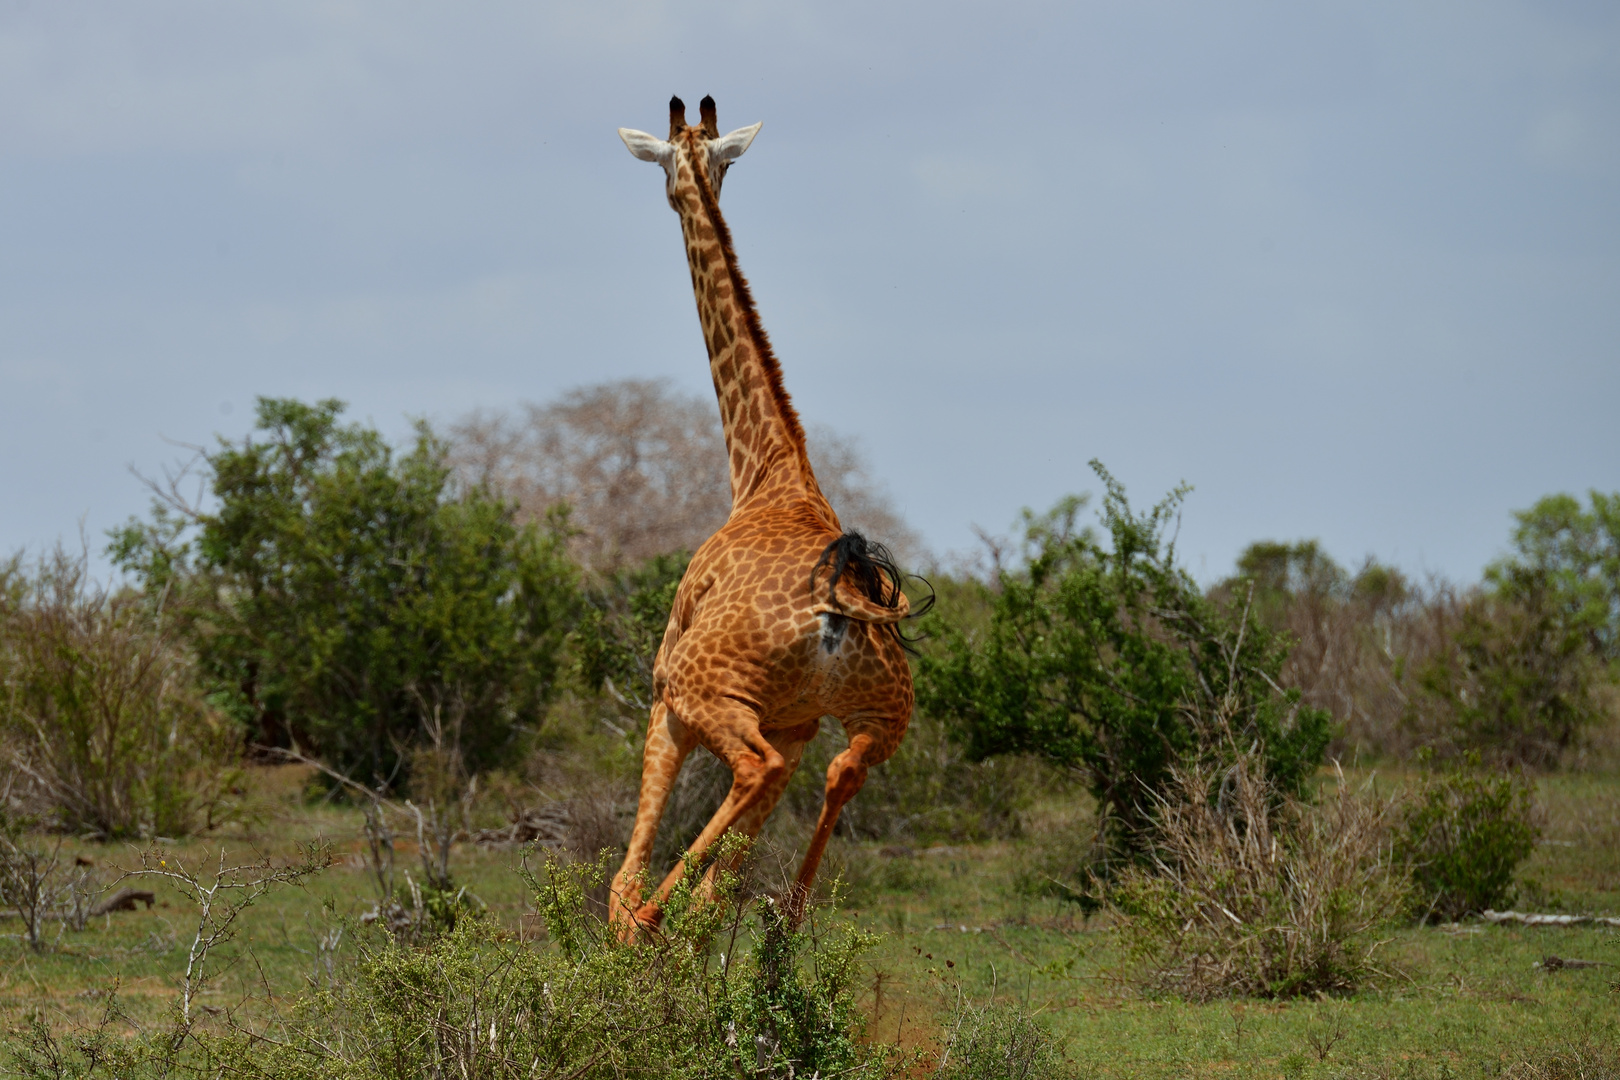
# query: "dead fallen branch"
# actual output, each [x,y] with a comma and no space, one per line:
[123,900]
[1558,963]
[547,825]
[1527,919]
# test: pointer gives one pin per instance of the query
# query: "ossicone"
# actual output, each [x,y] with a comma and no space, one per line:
[711,127]
[677,116]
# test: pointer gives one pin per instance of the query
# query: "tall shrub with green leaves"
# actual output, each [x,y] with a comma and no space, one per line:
[350,600]
[1109,659]
[1282,574]
[1573,556]
[1518,679]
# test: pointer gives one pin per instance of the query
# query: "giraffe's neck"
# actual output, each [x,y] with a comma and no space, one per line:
[764,440]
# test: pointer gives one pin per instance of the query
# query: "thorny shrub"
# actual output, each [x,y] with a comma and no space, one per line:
[1000,1042]
[36,883]
[99,711]
[120,1046]
[1247,894]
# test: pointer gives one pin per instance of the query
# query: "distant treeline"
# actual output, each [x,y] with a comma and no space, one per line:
[496,591]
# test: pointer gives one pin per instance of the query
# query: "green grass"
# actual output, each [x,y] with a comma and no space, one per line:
[1466,1001]
[959,925]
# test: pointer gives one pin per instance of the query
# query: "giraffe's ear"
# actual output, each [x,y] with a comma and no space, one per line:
[729,147]
[647,147]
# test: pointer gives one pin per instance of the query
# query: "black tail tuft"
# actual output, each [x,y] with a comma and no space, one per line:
[872,567]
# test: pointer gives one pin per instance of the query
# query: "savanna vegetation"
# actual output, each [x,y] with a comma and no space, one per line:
[327,782]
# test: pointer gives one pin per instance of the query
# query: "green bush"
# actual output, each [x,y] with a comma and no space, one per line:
[100,713]
[350,600]
[1464,837]
[621,626]
[1111,660]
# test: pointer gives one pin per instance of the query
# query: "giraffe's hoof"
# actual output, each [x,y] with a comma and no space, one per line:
[638,925]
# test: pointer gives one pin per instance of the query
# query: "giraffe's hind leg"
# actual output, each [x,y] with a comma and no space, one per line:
[871,743]
[668,743]
[790,742]
[759,772]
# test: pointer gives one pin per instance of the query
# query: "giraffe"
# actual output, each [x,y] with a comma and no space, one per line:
[782,617]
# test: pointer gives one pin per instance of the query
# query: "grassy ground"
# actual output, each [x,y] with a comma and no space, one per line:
[961,924]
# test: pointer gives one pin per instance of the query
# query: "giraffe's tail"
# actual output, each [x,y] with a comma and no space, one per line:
[862,582]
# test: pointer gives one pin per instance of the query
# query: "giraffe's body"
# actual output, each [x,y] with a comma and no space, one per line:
[755,654]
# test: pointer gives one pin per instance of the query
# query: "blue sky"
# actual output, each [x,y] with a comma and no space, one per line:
[1351,270]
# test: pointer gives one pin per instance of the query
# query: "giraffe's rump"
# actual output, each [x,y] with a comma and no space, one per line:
[871,584]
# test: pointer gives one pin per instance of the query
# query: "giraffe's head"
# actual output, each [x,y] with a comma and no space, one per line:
[700,148]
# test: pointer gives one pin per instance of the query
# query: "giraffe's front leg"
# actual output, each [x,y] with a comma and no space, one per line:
[668,743]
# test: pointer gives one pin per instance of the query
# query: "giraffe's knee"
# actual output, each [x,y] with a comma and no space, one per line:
[756,772]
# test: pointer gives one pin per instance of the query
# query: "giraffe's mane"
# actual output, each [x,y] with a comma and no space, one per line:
[745,300]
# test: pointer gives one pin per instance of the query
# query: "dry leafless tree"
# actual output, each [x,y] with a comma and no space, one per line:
[642,469]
